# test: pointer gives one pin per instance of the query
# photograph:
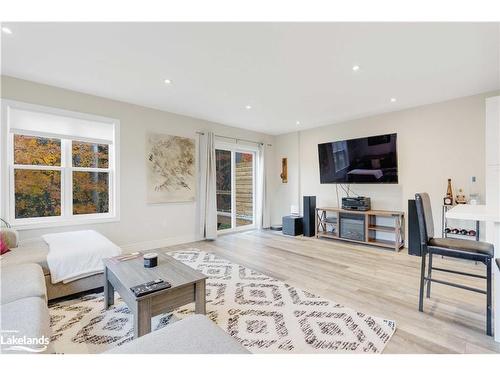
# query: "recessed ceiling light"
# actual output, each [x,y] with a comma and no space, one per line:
[298,122]
[168,82]
[6,30]
[355,68]
[248,106]
[393,100]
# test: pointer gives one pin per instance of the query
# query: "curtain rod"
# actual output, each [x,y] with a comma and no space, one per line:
[236,139]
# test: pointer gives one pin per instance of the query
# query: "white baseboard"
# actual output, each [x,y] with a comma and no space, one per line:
[156,244]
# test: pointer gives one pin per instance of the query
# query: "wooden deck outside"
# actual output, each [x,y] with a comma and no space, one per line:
[244,196]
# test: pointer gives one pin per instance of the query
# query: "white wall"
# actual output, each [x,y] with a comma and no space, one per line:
[285,195]
[142,225]
[435,142]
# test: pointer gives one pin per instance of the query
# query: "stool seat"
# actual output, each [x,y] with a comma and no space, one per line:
[463,245]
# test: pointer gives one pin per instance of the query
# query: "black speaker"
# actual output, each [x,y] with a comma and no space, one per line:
[309,212]
[413,230]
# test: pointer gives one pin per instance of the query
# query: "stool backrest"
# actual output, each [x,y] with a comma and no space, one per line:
[424,215]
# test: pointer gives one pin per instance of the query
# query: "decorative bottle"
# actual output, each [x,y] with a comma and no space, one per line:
[448,199]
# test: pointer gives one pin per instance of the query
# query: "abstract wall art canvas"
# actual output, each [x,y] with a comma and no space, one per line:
[170,169]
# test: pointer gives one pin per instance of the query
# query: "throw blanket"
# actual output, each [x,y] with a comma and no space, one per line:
[74,255]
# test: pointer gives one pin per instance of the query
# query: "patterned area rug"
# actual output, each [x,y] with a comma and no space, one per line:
[264,314]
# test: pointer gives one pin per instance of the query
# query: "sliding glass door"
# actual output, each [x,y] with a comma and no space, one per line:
[224,173]
[235,169]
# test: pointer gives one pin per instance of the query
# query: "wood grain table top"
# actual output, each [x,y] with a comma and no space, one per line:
[132,272]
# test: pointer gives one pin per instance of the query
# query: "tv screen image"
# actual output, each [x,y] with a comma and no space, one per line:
[368,160]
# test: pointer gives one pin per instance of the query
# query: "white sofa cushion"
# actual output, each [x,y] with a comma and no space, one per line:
[25,317]
[35,252]
[21,281]
[196,334]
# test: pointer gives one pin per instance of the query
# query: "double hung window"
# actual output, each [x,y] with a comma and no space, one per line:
[62,167]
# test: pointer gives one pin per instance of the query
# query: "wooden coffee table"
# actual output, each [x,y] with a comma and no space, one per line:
[188,285]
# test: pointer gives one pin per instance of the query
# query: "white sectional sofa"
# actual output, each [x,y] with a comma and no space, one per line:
[25,283]
[196,334]
[36,252]
[23,310]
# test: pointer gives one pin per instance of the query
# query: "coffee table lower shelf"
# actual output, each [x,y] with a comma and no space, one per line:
[188,286]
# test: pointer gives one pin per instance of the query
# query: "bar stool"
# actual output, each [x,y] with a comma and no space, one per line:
[455,248]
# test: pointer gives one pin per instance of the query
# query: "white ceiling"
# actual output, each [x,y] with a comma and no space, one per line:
[287,72]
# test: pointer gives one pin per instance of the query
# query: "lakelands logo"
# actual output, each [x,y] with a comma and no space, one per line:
[11,341]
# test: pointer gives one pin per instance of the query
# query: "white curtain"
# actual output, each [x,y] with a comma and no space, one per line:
[263,213]
[207,187]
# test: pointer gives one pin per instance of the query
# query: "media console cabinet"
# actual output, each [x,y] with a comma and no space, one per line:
[373,227]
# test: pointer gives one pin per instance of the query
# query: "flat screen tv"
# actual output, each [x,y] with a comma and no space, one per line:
[370,160]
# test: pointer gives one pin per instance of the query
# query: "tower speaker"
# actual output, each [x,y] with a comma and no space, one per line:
[413,230]
[309,212]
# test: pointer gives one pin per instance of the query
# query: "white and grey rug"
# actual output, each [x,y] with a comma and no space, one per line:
[264,314]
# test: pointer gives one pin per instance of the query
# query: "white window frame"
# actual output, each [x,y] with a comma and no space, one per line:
[243,148]
[7,202]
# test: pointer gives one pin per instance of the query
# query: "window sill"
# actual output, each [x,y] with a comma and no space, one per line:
[63,223]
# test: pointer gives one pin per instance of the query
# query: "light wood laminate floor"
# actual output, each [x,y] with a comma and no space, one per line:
[371,280]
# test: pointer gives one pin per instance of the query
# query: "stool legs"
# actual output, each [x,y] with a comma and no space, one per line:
[429,274]
[427,288]
[422,283]
[489,309]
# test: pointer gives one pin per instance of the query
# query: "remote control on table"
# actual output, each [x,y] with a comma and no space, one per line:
[150,287]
